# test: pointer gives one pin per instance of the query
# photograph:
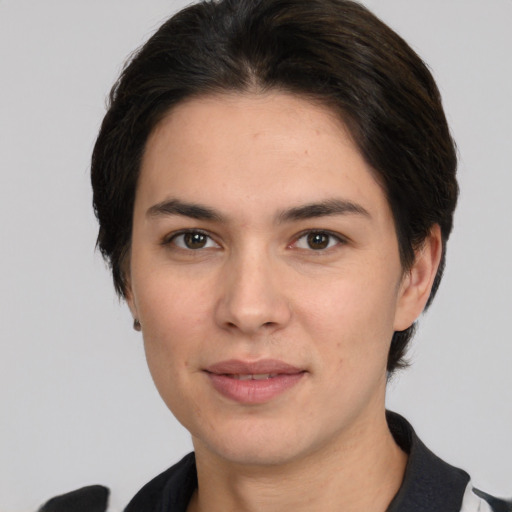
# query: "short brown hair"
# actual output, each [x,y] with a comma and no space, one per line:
[333,51]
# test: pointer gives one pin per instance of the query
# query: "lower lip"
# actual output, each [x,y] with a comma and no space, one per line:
[254,391]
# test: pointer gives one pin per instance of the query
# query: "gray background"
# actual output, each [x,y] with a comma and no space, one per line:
[77,402]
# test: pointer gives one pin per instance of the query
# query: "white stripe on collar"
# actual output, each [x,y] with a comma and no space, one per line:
[473,503]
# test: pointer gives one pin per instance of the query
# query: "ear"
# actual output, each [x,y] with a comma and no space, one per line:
[418,280]
[128,290]
[128,296]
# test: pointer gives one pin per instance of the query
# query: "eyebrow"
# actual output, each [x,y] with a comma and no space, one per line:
[192,210]
[308,211]
[322,209]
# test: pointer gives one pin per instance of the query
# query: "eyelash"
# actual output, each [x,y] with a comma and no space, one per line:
[171,239]
[331,237]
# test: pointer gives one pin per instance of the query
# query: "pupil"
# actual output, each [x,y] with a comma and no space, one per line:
[318,240]
[195,240]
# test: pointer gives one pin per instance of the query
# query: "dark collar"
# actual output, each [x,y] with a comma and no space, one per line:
[170,491]
[430,485]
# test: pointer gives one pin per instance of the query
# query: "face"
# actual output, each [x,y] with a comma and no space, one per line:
[265,272]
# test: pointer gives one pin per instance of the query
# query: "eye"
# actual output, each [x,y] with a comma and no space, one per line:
[317,241]
[192,240]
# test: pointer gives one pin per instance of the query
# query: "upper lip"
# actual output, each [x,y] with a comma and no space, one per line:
[263,366]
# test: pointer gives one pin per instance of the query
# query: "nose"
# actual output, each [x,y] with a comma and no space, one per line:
[251,299]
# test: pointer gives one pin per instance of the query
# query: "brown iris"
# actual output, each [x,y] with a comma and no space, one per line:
[195,240]
[318,241]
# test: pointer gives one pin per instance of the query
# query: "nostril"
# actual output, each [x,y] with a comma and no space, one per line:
[234,325]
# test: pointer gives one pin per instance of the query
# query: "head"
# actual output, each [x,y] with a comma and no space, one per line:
[333,53]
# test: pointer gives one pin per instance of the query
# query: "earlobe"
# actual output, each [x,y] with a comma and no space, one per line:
[131,304]
[417,282]
[128,294]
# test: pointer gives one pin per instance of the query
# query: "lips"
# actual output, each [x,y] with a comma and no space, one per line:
[253,382]
[259,376]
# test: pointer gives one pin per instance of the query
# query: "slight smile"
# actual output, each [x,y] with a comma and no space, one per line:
[253,383]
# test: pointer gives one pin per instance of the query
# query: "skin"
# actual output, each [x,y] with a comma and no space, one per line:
[254,287]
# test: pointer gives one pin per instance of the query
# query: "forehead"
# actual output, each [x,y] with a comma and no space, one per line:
[255,150]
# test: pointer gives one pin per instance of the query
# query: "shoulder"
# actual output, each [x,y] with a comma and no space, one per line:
[478,501]
[171,490]
[430,484]
[93,498]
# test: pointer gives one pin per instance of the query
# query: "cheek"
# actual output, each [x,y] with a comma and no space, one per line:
[174,330]
[169,303]
[352,319]
[175,317]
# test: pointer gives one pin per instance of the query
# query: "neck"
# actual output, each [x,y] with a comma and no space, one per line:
[362,471]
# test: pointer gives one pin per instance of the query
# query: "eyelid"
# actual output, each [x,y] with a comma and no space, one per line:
[168,239]
[340,239]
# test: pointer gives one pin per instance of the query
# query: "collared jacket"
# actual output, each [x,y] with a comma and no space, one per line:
[429,485]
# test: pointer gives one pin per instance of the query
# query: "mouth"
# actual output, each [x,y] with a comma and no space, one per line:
[263,367]
[258,376]
[253,382]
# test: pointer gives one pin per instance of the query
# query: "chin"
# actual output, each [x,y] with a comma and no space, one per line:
[256,443]
[257,454]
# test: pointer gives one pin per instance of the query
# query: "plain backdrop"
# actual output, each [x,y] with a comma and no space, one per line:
[77,402]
